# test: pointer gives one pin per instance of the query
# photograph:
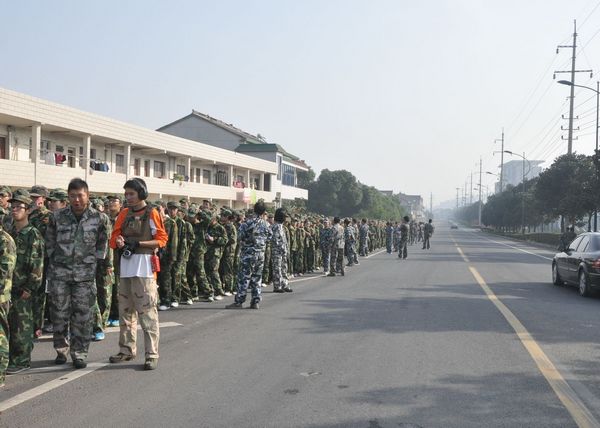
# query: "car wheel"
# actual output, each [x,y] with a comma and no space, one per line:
[584,289]
[556,279]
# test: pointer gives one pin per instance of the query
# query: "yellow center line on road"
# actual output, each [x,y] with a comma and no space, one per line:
[574,405]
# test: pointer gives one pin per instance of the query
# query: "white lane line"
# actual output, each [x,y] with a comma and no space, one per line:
[165,324]
[49,386]
[374,254]
[517,248]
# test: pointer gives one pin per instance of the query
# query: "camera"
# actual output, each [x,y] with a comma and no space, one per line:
[126,252]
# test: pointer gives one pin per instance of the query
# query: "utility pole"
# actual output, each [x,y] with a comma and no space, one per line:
[572,95]
[480,172]
[471,198]
[457,189]
[501,160]
[431,204]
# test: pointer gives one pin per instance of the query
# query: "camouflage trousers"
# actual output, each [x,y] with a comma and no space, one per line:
[165,282]
[197,275]
[227,272]
[426,244]
[325,256]
[403,248]
[337,256]
[101,309]
[38,302]
[71,311]
[363,248]
[4,333]
[309,258]
[212,261]
[267,266]
[180,288]
[299,261]
[250,276]
[388,244]
[350,254]
[20,321]
[137,301]
[280,276]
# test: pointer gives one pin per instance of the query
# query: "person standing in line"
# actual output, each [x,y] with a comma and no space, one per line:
[349,242]
[8,259]
[325,239]
[403,241]
[279,253]
[27,279]
[227,260]
[167,256]
[138,233]
[389,237]
[216,240]
[337,249]
[427,234]
[253,235]
[76,239]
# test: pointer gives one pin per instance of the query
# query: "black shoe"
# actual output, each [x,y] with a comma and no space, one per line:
[254,305]
[288,289]
[60,359]
[120,357]
[11,370]
[78,363]
[342,273]
[151,364]
[278,290]
[331,274]
[235,305]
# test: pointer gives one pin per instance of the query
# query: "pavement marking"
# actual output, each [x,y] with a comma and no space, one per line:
[165,324]
[517,248]
[578,410]
[374,254]
[465,258]
[48,386]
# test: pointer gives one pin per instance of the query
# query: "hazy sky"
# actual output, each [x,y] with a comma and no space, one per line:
[406,95]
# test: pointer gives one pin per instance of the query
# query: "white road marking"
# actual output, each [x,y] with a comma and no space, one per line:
[517,248]
[165,324]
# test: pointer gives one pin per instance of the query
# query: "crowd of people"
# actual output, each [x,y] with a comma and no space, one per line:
[72,265]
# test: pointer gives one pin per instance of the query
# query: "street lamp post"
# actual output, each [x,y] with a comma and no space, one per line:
[597,91]
[523,184]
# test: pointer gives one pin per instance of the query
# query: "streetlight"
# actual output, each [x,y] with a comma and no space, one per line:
[523,199]
[597,91]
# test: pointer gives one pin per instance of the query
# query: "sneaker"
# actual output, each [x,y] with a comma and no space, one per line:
[228,293]
[98,336]
[174,304]
[210,299]
[120,357]
[151,364]
[235,305]
[288,289]
[196,299]
[78,363]
[115,323]
[218,297]
[254,305]
[60,359]
[331,274]
[189,302]
[163,308]
[16,369]
[263,285]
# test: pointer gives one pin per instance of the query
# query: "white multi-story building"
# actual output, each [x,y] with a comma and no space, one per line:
[513,172]
[45,143]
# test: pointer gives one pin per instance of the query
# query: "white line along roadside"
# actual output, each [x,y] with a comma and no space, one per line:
[62,380]
[517,248]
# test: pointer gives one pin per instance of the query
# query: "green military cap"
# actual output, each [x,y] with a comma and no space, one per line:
[225,212]
[21,195]
[37,191]
[158,203]
[173,204]
[183,201]
[5,191]
[192,212]
[58,195]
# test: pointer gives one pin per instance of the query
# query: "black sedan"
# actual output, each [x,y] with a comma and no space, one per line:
[579,264]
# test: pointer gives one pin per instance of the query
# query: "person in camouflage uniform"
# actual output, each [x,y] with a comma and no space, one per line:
[325,243]
[167,256]
[39,218]
[239,219]
[183,247]
[363,235]
[114,208]
[254,234]
[27,279]
[299,259]
[76,239]
[309,247]
[8,260]
[216,240]
[279,255]
[428,232]
[197,274]
[268,267]
[389,237]
[105,278]
[293,247]
[191,287]
[227,260]
[185,296]
[337,249]
[5,194]
[403,238]
[350,243]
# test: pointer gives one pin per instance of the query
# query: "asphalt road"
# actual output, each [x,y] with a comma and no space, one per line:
[414,343]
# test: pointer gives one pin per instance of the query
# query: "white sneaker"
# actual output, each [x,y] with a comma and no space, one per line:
[174,304]
[227,293]
[189,302]
[163,308]
[263,285]
[218,297]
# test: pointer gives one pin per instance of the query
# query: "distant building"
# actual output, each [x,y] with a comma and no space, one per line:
[414,205]
[513,172]
[205,129]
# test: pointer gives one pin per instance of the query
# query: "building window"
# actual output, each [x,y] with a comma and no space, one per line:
[146,168]
[136,167]
[206,175]
[267,182]
[289,175]
[159,169]
[120,164]
[181,170]
[198,177]
[221,178]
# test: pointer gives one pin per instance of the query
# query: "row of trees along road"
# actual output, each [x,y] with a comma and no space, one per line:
[569,188]
[339,193]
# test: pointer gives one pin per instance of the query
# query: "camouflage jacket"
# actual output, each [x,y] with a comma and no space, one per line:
[3,214]
[30,260]
[75,246]
[218,232]
[326,238]
[183,246]
[279,240]
[199,246]
[363,231]
[40,218]
[254,234]
[231,239]
[108,262]
[350,234]
[8,260]
[337,240]
[168,254]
